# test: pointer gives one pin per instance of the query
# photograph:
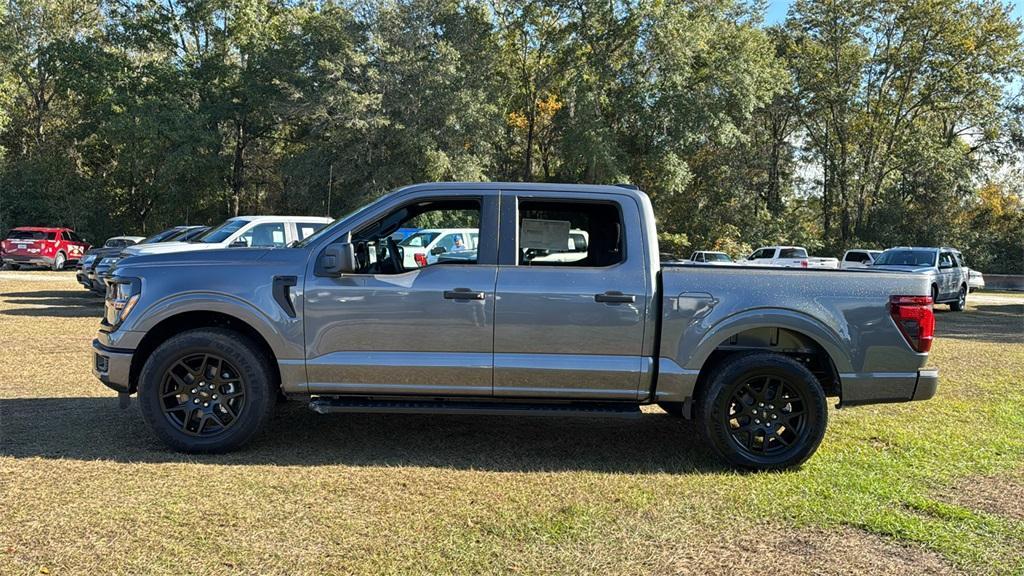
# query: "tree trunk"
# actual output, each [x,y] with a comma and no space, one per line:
[238,170]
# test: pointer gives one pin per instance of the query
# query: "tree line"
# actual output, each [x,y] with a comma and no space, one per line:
[865,123]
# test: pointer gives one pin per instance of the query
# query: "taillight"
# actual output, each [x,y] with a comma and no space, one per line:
[914,317]
[421,260]
[803,263]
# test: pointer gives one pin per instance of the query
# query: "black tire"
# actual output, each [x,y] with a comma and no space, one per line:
[673,408]
[59,261]
[760,381]
[935,294]
[10,266]
[167,401]
[961,300]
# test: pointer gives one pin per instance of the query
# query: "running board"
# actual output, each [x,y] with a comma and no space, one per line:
[603,409]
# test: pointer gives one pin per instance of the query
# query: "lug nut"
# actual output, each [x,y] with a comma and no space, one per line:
[196,401]
[193,390]
[757,421]
[207,405]
[214,396]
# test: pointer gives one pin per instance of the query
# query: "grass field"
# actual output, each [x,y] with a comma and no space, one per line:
[924,488]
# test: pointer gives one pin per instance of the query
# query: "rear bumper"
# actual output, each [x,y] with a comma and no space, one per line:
[885,387]
[112,366]
[31,260]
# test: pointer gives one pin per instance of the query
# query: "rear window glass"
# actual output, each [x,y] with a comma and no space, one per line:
[30,235]
[792,253]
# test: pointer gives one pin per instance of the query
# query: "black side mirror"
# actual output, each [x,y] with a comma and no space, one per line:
[437,250]
[336,259]
[240,243]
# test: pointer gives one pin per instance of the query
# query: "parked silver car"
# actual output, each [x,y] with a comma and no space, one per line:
[947,275]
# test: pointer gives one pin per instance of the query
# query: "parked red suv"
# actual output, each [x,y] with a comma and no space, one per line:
[53,247]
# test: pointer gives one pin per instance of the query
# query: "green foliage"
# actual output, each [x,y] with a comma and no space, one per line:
[871,123]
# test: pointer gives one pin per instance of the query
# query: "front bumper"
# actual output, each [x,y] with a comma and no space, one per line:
[112,366]
[886,387]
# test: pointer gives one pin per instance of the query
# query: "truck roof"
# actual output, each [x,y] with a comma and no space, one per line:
[528,186]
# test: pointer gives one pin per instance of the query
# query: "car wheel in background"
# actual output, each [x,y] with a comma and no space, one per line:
[206,390]
[763,411]
[961,300]
[58,261]
[11,266]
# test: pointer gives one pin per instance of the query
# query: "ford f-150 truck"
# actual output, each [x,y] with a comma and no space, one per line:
[210,339]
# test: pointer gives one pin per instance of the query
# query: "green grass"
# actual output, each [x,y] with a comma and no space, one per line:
[85,487]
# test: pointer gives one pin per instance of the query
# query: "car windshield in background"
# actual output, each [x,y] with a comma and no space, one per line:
[716,258]
[190,234]
[222,232]
[915,258]
[30,235]
[161,236]
[419,239]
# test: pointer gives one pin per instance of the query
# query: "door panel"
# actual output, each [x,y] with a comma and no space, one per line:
[553,336]
[423,331]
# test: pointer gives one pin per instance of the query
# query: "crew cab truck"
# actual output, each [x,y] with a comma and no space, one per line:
[209,339]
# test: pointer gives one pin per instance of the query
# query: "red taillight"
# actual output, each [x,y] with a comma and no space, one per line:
[914,317]
[421,260]
[803,263]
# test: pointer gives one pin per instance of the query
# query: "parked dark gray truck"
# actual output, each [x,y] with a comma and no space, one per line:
[210,339]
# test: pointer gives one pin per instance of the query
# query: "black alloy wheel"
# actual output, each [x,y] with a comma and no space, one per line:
[202,395]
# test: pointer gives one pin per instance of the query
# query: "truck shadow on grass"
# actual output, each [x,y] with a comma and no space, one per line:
[995,323]
[96,429]
[53,303]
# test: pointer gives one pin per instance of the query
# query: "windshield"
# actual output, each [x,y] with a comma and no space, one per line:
[712,257]
[915,258]
[222,232]
[314,236]
[161,236]
[190,234]
[419,239]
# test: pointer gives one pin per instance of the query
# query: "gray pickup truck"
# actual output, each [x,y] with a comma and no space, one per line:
[210,340]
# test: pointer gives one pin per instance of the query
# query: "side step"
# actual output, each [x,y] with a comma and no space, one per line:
[346,405]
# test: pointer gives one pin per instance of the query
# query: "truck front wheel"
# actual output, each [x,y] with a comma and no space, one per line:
[58,262]
[206,391]
[763,411]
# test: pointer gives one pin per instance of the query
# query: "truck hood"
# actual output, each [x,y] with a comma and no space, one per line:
[165,247]
[195,258]
[913,269]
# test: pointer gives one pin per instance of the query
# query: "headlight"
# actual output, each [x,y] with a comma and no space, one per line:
[122,295]
[109,261]
[88,260]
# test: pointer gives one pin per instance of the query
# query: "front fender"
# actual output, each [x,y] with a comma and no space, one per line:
[282,333]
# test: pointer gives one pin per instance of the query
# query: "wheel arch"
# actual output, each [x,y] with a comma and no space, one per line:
[190,320]
[780,331]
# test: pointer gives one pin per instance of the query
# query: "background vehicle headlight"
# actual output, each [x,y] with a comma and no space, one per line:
[122,296]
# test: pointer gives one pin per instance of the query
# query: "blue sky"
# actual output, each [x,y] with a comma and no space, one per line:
[776,11]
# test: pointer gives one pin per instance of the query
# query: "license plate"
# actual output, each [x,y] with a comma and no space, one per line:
[22,246]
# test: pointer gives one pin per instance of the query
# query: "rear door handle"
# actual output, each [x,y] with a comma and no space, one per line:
[615,297]
[463,294]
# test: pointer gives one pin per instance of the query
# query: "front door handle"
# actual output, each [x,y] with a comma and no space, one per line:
[463,294]
[615,297]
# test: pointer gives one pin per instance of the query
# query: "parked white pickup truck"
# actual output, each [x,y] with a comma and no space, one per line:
[788,257]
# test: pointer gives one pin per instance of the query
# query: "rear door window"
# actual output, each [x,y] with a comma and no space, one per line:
[555,233]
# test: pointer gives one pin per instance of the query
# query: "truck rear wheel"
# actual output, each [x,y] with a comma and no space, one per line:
[206,391]
[763,411]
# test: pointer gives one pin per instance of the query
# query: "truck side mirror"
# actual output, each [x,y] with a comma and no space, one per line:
[437,250]
[240,243]
[336,259]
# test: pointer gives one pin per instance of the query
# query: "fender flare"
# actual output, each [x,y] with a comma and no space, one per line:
[834,344]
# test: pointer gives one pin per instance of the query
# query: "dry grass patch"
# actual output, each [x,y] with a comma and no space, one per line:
[1001,495]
